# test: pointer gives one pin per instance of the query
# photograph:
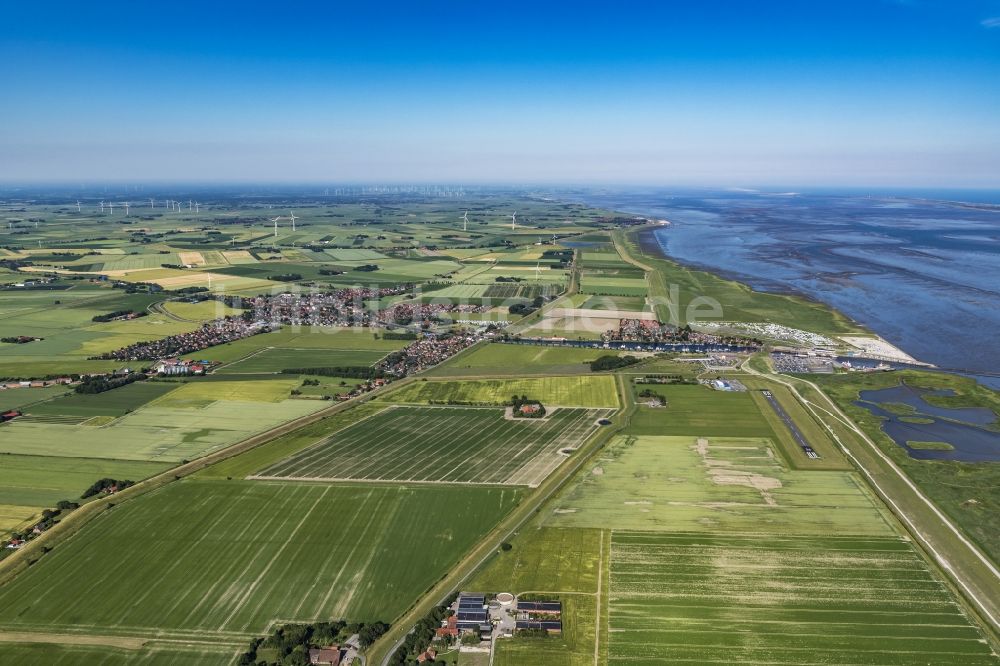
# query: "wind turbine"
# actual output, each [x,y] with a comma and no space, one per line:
[538,270]
[111,205]
[196,204]
[465,221]
[513,220]
[150,204]
[293,218]
[275,220]
[126,209]
[102,206]
[78,206]
[190,205]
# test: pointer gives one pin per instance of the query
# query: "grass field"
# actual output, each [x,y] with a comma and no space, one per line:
[183,425]
[41,481]
[502,359]
[699,410]
[724,599]
[116,402]
[433,444]
[154,654]
[729,485]
[565,564]
[582,391]
[276,360]
[222,559]
[614,286]
[278,449]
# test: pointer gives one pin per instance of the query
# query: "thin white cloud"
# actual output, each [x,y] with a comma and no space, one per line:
[992,22]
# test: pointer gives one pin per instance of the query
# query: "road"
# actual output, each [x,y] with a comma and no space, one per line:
[965,564]
[386,646]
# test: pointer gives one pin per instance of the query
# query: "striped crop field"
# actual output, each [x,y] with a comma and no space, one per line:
[443,445]
[220,560]
[723,599]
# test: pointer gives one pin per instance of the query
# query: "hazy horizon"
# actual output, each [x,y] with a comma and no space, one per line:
[858,93]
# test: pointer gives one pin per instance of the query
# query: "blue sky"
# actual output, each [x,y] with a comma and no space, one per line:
[805,92]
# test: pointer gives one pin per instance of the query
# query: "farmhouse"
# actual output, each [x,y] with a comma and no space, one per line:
[328,655]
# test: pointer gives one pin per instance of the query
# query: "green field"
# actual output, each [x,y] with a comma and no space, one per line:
[699,410]
[564,564]
[41,481]
[186,423]
[154,654]
[222,559]
[503,359]
[583,391]
[116,402]
[724,599]
[284,446]
[421,444]
[614,286]
[735,486]
[276,360]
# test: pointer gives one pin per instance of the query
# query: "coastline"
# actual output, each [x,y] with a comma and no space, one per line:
[650,246]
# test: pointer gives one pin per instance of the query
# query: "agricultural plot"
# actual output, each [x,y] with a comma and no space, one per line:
[134,653]
[219,560]
[618,303]
[443,445]
[581,391]
[736,486]
[276,360]
[514,290]
[727,599]
[182,425]
[504,359]
[41,481]
[116,402]
[613,286]
[699,411]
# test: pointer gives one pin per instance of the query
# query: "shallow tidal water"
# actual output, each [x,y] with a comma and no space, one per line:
[922,272]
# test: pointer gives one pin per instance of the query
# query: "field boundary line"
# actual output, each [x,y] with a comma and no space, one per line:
[75,521]
[253,586]
[910,522]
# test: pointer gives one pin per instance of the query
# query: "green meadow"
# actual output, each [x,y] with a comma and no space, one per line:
[222,559]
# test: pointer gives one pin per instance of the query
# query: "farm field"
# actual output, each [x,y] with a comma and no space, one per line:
[736,486]
[699,410]
[563,564]
[613,286]
[41,481]
[501,359]
[66,653]
[20,398]
[222,559]
[278,359]
[419,444]
[284,446]
[581,391]
[182,425]
[116,402]
[564,560]
[724,599]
